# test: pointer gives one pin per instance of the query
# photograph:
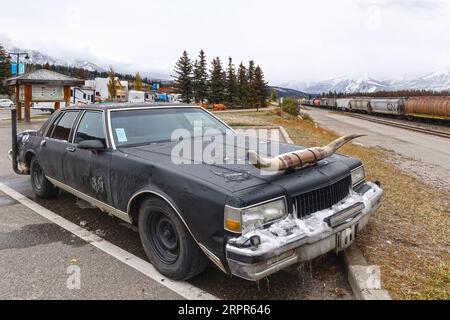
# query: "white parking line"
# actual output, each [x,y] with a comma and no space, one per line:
[184,289]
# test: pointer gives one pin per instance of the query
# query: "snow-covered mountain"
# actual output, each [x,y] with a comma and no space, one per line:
[37,57]
[347,85]
[439,81]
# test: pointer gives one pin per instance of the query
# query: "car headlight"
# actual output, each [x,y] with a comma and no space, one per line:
[358,175]
[237,219]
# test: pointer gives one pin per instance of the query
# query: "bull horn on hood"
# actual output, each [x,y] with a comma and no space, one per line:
[301,158]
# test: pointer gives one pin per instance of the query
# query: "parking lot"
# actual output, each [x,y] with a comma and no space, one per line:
[41,241]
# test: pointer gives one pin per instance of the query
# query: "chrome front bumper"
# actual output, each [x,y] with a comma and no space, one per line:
[294,241]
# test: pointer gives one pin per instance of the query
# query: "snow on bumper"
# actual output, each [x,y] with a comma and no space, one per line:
[292,240]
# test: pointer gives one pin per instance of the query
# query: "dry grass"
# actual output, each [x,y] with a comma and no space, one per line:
[409,238]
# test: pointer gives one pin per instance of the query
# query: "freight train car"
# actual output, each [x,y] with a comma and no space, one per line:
[330,103]
[428,107]
[317,102]
[343,104]
[360,105]
[393,106]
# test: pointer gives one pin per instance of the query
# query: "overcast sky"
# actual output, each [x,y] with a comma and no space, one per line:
[291,39]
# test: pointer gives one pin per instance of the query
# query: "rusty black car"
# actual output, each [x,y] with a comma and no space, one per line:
[250,218]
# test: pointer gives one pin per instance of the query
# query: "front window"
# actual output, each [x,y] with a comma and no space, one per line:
[146,126]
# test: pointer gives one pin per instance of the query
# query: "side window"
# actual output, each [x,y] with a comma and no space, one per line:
[53,125]
[90,128]
[64,126]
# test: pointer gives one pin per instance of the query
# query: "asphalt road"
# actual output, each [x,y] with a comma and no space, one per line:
[425,155]
[35,255]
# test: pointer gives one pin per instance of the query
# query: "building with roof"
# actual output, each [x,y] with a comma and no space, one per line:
[100,85]
[42,86]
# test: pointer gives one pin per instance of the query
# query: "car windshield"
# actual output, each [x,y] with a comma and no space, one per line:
[146,126]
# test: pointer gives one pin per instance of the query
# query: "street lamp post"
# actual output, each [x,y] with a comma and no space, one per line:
[27,57]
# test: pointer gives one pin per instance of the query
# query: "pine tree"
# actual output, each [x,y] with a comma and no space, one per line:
[251,84]
[5,71]
[201,78]
[112,90]
[217,82]
[242,89]
[137,83]
[274,95]
[183,78]
[260,89]
[231,84]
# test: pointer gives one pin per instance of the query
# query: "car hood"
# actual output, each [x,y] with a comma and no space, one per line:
[233,177]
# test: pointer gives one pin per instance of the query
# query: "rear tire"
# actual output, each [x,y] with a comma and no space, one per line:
[167,243]
[41,186]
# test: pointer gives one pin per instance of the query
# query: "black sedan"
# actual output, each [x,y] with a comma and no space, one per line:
[149,166]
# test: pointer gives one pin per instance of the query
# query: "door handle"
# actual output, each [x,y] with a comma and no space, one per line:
[71,149]
[43,143]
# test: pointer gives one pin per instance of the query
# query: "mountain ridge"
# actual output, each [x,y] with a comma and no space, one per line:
[436,81]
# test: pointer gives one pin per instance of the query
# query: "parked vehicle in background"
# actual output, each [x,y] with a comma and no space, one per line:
[44,106]
[136,96]
[6,103]
[162,97]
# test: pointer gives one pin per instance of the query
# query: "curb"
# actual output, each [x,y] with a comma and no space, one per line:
[285,135]
[364,279]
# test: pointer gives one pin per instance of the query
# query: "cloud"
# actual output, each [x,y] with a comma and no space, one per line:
[290,39]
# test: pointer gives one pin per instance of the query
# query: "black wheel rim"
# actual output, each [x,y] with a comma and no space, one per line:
[38,176]
[164,238]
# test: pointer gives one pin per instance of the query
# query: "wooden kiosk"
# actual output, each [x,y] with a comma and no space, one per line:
[42,86]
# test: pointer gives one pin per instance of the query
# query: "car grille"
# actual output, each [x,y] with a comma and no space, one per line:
[322,199]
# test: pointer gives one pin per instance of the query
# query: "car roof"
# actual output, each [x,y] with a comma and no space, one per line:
[132,106]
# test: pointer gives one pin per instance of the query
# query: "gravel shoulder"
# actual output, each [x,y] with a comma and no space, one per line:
[409,238]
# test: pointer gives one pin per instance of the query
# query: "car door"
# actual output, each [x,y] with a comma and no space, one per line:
[85,170]
[54,145]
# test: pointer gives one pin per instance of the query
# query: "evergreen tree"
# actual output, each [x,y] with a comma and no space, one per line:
[183,78]
[273,95]
[242,89]
[5,71]
[112,90]
[200,78]
[260,89]
[251,91]
[231,84]
[217,82]
[137,83]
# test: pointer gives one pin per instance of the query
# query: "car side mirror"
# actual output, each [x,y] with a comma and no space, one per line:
[93,145]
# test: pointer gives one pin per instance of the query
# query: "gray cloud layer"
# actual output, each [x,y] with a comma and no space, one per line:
[292,40]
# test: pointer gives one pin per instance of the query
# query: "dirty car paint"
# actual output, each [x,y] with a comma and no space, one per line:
[198,192]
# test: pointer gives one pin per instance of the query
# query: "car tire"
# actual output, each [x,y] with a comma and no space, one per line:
[167,242]
[40,184]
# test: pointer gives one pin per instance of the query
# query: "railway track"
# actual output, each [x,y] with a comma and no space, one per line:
[402,125]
